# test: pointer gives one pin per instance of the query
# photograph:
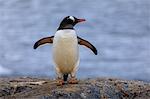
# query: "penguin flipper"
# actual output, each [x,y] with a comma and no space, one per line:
[87,44]
[43,41]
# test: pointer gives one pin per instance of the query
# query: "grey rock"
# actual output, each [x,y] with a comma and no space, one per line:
[98,88]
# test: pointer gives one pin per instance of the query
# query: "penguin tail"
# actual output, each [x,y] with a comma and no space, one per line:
[65,77]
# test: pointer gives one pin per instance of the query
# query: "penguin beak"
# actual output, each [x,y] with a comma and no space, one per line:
[80,20]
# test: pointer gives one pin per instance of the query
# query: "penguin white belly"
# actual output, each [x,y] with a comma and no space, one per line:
[65,51]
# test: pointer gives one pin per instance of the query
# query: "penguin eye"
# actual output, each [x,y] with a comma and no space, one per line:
[69,20]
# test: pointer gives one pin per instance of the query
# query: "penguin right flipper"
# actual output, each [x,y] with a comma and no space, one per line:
[43,41]
[87,44]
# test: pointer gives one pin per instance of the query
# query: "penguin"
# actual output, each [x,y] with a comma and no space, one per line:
[65,49]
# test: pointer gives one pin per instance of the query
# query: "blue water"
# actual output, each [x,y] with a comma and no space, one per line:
[120,30]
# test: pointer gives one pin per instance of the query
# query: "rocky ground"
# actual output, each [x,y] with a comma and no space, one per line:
[98,88]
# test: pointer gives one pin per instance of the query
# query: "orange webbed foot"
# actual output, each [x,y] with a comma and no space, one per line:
[73,80]
[60,82]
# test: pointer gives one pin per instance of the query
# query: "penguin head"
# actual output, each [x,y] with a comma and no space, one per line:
[69,22]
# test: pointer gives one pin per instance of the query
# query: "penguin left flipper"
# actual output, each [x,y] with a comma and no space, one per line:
[87,44]
[43,41]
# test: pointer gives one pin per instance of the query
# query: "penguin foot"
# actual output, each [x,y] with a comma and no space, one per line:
[73,80]
[60,82]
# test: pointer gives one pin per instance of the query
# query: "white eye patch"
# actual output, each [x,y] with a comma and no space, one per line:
[72,18]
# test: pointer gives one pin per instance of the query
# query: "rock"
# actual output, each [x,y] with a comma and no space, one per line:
[100,88]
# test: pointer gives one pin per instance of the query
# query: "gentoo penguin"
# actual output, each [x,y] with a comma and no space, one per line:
[66,50]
